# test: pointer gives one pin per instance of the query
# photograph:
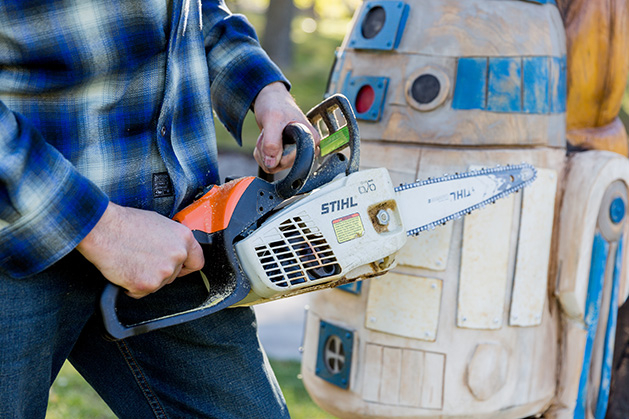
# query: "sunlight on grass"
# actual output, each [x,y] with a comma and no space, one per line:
[72,397]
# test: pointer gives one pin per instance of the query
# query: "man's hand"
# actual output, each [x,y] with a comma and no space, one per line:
[274,109]
[141,250]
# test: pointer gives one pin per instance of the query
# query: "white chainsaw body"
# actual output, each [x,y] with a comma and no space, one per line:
[348,229]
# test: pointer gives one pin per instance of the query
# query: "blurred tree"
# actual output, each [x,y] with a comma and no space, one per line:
[277,39]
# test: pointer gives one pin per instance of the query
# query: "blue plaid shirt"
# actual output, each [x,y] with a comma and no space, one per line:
[112,100]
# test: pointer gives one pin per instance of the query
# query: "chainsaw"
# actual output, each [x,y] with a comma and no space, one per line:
[324,224]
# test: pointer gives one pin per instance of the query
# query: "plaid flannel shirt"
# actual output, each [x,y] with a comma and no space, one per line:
[99,99]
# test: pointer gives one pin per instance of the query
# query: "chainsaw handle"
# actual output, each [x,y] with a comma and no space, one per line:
[299,135]
[117,330]
[335,163]
[110,316]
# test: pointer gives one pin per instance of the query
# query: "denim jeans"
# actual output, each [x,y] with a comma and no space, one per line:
[213,367]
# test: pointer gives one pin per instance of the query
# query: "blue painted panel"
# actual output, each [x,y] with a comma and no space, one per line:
[354,287]
[504,92]
[558,84]
[388,38]
[339,61]
[535,84]
[338,354]
[471,83]
[610,336]
[600,251]
[352,86]
[541,1]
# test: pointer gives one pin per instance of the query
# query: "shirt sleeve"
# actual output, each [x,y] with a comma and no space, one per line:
[46,206]
[239,67]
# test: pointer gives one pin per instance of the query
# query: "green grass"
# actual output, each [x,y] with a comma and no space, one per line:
[72,397]
[298,401]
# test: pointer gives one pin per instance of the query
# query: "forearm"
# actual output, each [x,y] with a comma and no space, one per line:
[238,66]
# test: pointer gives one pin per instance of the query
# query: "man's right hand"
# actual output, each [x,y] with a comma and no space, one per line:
[141,251]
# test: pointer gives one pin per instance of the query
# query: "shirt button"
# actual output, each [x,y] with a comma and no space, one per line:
[163,131]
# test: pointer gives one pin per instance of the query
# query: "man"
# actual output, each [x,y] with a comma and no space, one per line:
[106,131]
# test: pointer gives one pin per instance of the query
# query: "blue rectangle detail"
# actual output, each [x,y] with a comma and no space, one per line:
[390,34]
[535,87]
[542,1]
[471,83]
[504,90]
[558,85]
[596,280]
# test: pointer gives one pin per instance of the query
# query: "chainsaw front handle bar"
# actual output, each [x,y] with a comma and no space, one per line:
[300,136]
[329,166]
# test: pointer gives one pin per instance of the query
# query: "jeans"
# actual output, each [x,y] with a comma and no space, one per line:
[212,367]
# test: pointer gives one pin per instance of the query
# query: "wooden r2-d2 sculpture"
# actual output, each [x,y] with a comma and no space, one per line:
[511,311]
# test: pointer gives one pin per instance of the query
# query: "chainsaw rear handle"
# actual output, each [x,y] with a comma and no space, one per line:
[117,330]
[231,287]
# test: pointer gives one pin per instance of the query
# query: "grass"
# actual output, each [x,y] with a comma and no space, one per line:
[72,397]
[298,401]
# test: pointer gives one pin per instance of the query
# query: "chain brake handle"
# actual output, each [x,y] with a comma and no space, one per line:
[296,136]
[331,163]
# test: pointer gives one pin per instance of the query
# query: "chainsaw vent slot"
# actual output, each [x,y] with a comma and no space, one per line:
[302,255]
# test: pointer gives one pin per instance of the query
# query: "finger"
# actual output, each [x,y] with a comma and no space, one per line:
[195,260]
[270,164]
[172,278]
[288,159]
[135,295]
[272,146]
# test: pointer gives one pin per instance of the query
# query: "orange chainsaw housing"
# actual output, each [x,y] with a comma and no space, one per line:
[212,211]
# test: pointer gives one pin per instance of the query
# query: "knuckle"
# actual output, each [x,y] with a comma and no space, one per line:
[142,287]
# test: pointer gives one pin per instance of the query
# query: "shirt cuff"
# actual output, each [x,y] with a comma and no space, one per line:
[49,233]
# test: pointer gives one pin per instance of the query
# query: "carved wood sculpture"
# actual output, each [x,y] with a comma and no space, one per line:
[509,312]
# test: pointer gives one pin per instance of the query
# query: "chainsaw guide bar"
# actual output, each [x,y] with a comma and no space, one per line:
[428,203]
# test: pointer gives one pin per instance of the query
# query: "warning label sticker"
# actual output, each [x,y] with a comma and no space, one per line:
[348,228]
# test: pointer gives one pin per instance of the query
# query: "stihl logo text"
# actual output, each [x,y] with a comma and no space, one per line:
[339,204]
[460,194]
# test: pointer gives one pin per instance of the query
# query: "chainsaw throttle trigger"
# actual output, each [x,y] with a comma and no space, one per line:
[298,136]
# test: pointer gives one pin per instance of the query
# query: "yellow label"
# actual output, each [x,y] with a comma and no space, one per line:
[348,228]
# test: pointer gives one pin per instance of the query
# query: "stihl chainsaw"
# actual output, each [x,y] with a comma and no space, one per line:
[325,224]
